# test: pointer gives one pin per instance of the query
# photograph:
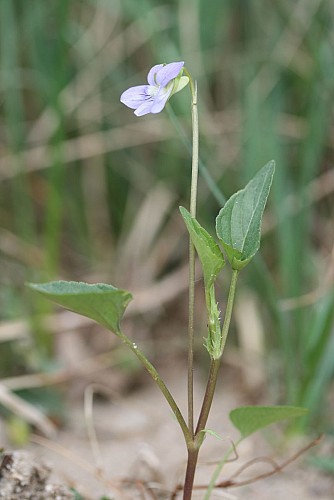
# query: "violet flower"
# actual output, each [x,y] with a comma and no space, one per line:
[164,80]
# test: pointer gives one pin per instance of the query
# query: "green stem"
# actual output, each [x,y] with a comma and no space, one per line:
[215,363]
[219,468]
[195,148]
[229,307]
[162,386]
[208,397]
[193,203]
[210,182]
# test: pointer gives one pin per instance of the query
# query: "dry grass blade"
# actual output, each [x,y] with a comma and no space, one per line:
[88,409]
[26,411]
[89,146]
[74,458]
[16,248]
[84,368]
[137,247]
[64,321]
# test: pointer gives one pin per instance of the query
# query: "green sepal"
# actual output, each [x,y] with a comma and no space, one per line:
[238,224]
[103,303]
[179,84]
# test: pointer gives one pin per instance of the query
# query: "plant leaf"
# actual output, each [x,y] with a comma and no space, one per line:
[209,253]
[212,433]
[203,433]
[238,224]
[103,303]
[249,419]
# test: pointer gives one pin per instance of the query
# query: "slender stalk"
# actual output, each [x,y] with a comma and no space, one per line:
[210,182]
[195,148]
[190,473]
[219,468]
[193,203]
[191,338]
[193,453]
[209,393]
[208,396]
[229,308]
[215,363]
[162,386]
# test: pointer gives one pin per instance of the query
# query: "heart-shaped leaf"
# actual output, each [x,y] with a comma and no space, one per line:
[249,419]
[209,253]
[238,224]
[103,303]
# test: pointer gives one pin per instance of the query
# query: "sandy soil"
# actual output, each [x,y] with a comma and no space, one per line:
[139,441]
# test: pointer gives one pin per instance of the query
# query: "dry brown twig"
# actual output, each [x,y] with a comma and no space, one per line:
[231,483]
[26,411]
[276,467]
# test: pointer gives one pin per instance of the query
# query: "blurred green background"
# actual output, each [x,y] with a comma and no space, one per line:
[90,192]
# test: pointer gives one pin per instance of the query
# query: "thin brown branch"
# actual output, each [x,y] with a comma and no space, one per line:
[231,483]
[276,467]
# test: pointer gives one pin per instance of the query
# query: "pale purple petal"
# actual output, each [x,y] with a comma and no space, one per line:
[152,72]
[154,104]
[144,108]
[160,100]
[152,98]
[168,73]
[134,96]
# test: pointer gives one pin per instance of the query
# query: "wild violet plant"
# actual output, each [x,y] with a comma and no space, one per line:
[238,226]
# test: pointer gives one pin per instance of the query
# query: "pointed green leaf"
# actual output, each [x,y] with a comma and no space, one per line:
[209,253]
[249,419]
[103,303]
[238,224]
